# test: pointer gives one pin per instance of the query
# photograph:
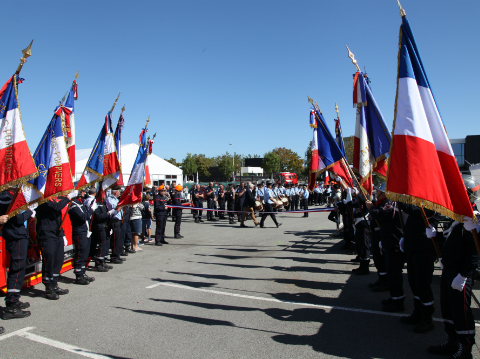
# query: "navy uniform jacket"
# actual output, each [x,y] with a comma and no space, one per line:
[159,204]
[210,193]
[415,235]
[79,215]
[195,199]
[100,218]
[388,216]
[220,198]
[49,217]
[229,197]
[14,229]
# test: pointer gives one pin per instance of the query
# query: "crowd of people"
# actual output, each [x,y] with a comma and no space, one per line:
[387,232]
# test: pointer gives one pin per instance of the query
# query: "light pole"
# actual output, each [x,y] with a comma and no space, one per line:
[233,161]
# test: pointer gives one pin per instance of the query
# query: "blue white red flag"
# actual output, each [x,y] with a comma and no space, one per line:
[118,145]
[103,164]
[51,159]
[420,147]
[339,137]
[133,191]
[16,162]
[330,156]
[69,124]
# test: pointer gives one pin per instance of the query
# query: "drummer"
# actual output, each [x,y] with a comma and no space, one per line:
[287,196]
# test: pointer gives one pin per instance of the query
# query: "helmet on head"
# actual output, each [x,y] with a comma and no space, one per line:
[179,188]
[472,187]
[382,186]
[161,188]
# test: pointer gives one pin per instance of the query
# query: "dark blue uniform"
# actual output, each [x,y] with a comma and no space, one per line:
[210,202]
[101,242]
[160,212]
[79,217]
[177,213]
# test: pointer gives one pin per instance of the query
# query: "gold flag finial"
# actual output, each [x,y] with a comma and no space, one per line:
[148,120]
[336,109]
[123,108]
[115,102]
[26,53]
[76,75]
[352,56]
[402,12]
[310,100]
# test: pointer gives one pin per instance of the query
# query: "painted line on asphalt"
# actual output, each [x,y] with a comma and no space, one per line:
[330,307]
[18,332]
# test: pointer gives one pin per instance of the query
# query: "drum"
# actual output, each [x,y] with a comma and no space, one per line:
[277,203]
[285,202]
[258,206]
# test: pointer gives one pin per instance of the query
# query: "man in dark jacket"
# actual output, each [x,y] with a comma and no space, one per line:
[79,217]
[160,213]
[16,242]
[100,220]
[210,201]
[249,206]
[51,239]
[177,212]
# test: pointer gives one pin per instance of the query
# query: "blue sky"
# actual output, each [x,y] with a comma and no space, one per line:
[210,73]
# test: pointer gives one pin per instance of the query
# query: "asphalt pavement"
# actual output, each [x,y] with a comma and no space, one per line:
[224,292]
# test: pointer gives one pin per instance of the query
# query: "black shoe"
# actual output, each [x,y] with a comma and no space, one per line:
[21,305]
[116,261]
[200,220]
[158,243]
[448,347]
[414,318]
[279,224]
[178,236]
[379,281]
[50,292]
[107,266]
[90,279]
[12,312]
[464,351]
[61,291]
[99,267]
[82,280]
[380,288]
[131,250]
[396,306]
[124,254]
[356,259]
[165,242]
[242,225]
[196,220]
[262,226]
[424,326]
[361,271]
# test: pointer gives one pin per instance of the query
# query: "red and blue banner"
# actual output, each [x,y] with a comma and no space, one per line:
[422,169]
[69,124]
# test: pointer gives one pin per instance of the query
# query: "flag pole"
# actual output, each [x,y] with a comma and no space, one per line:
[26,53]
[64,97]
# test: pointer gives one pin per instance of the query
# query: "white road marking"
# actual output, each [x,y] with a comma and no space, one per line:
[63,346]
[21,331]
[330,307]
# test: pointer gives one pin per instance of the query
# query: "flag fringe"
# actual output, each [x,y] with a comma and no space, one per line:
[419,202]
[19,181]
[313,126]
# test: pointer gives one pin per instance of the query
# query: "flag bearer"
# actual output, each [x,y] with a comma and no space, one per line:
[16,243]
[51,239]
[100,219]
[459,259]
[115,226]
[79,216]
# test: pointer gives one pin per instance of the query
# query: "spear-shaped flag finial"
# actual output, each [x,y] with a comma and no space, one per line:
[402,12]
[336,109]
[352,56]
[26,53]
[76,75]
[115,102]
[123,108]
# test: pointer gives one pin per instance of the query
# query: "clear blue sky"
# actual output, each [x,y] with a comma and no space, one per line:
[210,73]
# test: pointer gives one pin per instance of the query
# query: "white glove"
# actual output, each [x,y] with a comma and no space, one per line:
[33,213]
[344,201]
[431,232]
[402,244]
[112,212]
[349,195]
[73,194]
[65,243]
[468,224]
[94,205]
[459,282]
[380,245]
[441,264]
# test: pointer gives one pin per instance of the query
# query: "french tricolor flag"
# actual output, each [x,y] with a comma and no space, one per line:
[51,159]
[69,114]
[313,161]
[16,161]
[133,191]
[422,167]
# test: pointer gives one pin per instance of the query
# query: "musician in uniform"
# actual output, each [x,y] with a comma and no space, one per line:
[268,197]
[210,202]
[240,199]
[305,195]
[177,212]
[198,197]
[295,197]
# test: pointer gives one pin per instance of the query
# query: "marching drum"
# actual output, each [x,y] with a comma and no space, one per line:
[285,202]
[258,206]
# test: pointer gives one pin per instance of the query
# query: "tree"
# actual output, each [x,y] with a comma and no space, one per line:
[189,166]
[348,143]
[225,165]
[271,162]
[203,163]
[289,161]
[254,156]
[174,162]
[307,160]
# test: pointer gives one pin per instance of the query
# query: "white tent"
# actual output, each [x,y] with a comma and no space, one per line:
[160,170]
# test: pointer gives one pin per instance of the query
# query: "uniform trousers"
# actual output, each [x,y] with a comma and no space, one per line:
[198,213]
[248,210]
[378,257]
[221,206]
[177,217]
[305,206]
[231,208]
[240,206]
[18,258]
[210,205]
[456,307]
[52,248]
[160,225]
[395,260]
[420,266]
[101,244]
[268,208]
[127,234]
[80,256]
[116,238]
[362,241]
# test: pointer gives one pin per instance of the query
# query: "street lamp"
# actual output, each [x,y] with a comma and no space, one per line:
[233,161]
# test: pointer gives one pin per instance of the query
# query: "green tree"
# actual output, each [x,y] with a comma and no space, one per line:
[271,163]
[189,166]
[289,161]
[225,165]
[174,162]
[203,163]
[307,160]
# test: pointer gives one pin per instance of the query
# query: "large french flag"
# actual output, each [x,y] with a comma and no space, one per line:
[103,164]
[372,137]
[69,115]
[133,191]
[16,162]
[51,159]
[118,145]
[422,169]
[313,161]
[330,156]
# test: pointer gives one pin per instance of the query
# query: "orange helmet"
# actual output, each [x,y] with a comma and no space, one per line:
[162,187]
[178,188]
